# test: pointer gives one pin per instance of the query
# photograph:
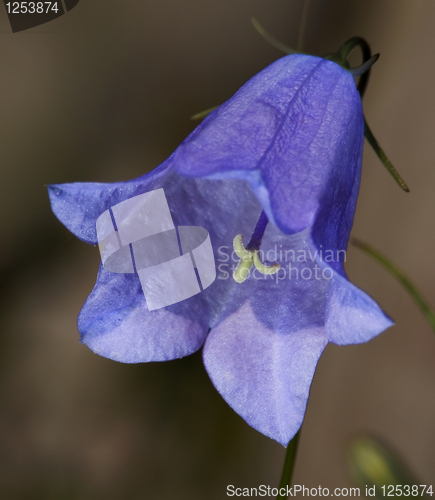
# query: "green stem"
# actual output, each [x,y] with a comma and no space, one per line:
[383,157]
[401,277]
[353,42]
[368,60]
[289,465]
[347,48]
[272,40]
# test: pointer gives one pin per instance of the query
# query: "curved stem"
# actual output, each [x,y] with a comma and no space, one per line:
[347,48]
[272,40]
[344,52]
[289,465]
[353,42]
[364,79]
[365,67]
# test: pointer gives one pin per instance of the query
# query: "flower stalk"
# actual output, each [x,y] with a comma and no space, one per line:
[289,465]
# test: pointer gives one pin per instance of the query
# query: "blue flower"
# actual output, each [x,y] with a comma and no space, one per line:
[288,143]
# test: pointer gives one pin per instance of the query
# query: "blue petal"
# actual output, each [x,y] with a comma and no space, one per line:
[263,375]
[262,350]
[295,131]
[78,205]
[352,316]
[115,321]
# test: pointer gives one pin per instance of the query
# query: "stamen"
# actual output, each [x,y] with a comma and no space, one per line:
[239,248]
[249,256]
[246,260]
[242,270]
[274,268]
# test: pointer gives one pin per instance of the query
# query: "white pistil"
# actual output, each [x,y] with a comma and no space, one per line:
[248,258]
[272,269]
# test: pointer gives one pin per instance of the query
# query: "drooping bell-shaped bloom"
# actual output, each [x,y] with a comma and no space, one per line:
[288,143]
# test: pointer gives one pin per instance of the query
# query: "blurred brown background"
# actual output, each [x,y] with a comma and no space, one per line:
[105,93]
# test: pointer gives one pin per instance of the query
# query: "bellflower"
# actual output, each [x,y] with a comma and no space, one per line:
[287,145]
